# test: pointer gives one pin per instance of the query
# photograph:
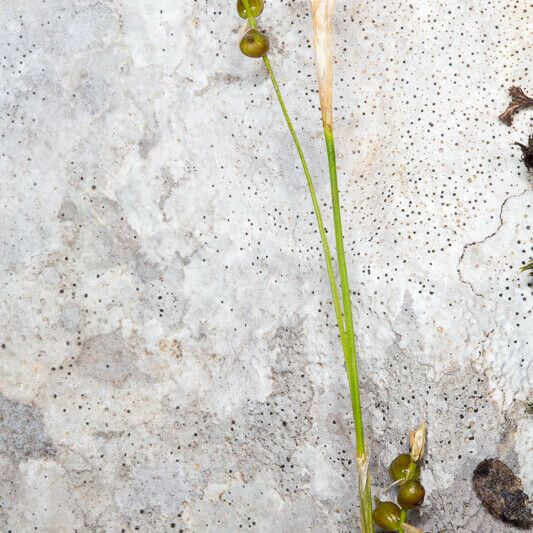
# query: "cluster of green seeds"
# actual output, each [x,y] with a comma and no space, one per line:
[406,473]
[254,43]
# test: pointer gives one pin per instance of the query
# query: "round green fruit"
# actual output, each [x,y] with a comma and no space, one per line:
[399,468]
[387,516]
[411,494]
[254,44]
[256,7]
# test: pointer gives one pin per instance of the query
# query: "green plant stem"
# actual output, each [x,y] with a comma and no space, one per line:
[353,378]
[403,513]
[344,321]
[365,495]
[314,199]
[316,207]
[403,516]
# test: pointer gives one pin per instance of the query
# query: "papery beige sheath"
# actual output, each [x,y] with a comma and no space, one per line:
[322,15]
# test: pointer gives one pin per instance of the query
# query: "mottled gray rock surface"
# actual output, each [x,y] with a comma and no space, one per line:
[169,359]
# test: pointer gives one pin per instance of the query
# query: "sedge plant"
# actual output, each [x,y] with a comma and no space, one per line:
[255,44]
[404,470]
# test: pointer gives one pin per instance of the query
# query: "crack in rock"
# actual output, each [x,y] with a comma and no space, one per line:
[485,239]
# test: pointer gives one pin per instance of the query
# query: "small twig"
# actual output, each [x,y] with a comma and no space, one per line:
[519,100]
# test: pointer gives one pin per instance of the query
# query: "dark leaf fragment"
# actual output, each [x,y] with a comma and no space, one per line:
[501,493]
[519,100]
[527,153]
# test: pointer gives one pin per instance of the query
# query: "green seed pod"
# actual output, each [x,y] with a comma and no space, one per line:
[256,7]
[387,516]
[399,468]
[254,44]
[411,494]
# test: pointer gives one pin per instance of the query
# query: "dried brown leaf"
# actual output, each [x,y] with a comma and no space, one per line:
[519,100]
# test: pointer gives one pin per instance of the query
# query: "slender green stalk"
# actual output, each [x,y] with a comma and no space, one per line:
[353,378]
[365,495]
[403,513]
[316,207]
[403,516]
[344,323]
[314,199]
[322,17]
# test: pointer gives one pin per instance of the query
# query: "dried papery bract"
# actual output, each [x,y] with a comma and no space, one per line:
[322,14]
[417,441]
[363,476]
